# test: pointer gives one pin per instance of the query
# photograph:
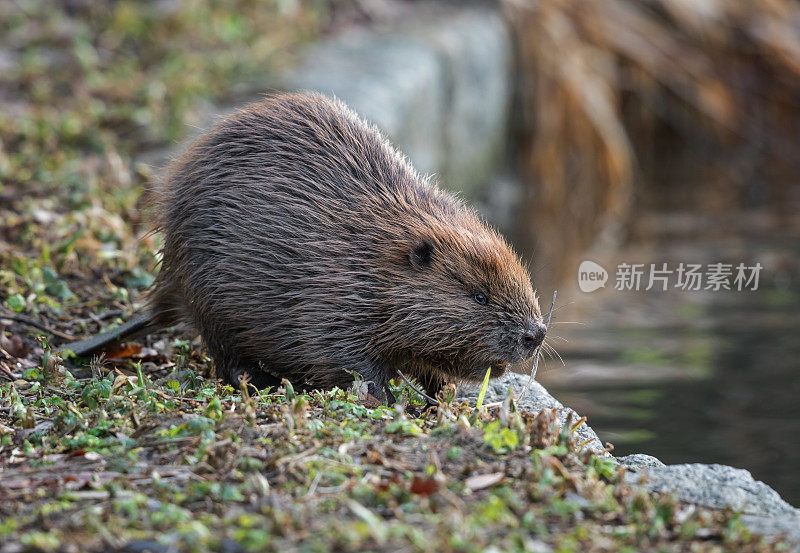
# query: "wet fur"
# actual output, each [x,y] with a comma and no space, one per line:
[300,244]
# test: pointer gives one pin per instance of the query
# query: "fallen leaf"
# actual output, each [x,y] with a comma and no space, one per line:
[121,380]
[13,346]
[424,486]
[123,351]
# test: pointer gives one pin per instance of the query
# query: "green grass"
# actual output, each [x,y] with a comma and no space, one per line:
[198,466]
[89,87]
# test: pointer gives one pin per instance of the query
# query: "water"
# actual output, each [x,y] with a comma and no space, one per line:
[710,377]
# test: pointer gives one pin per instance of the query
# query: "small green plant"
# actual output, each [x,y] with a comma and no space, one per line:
[16,303]
[501,438]
[402,425]
[96,391]
[604,467]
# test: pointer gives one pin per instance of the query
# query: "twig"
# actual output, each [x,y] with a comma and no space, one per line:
[313,487]
[423,394]
[35,324]
[92,318]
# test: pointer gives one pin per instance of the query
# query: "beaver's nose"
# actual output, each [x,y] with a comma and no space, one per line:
[533,335]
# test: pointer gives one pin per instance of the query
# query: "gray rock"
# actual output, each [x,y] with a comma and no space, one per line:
[475,51]
[437,83]
[534,401]
[392,81]
[720,486]
[785,526]
[715,486]
[637,461]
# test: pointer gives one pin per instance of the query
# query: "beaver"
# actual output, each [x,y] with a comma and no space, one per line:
[300,244]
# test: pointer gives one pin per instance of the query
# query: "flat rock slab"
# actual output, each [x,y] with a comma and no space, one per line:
[720,486]
[715,486]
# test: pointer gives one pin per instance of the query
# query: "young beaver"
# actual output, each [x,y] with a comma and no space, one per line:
[300,244]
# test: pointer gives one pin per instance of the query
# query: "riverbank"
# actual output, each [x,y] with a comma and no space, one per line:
[145,450]
[134,463]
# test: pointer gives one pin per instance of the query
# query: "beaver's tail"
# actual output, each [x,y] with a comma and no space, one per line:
[139,325]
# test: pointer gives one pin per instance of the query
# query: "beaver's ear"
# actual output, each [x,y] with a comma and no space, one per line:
[421,254]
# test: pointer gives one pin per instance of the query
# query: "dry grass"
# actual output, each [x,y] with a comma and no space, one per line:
[606,83]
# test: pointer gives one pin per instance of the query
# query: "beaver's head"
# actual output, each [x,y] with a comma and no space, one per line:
[463,302]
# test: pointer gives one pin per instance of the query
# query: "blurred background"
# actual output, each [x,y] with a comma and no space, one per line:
[617,131]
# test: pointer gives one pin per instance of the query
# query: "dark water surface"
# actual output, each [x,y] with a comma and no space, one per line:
[710,377]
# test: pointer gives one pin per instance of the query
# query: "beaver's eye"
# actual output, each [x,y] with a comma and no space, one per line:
[481,298]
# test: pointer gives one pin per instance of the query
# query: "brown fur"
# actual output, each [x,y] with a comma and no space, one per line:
[300,244]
